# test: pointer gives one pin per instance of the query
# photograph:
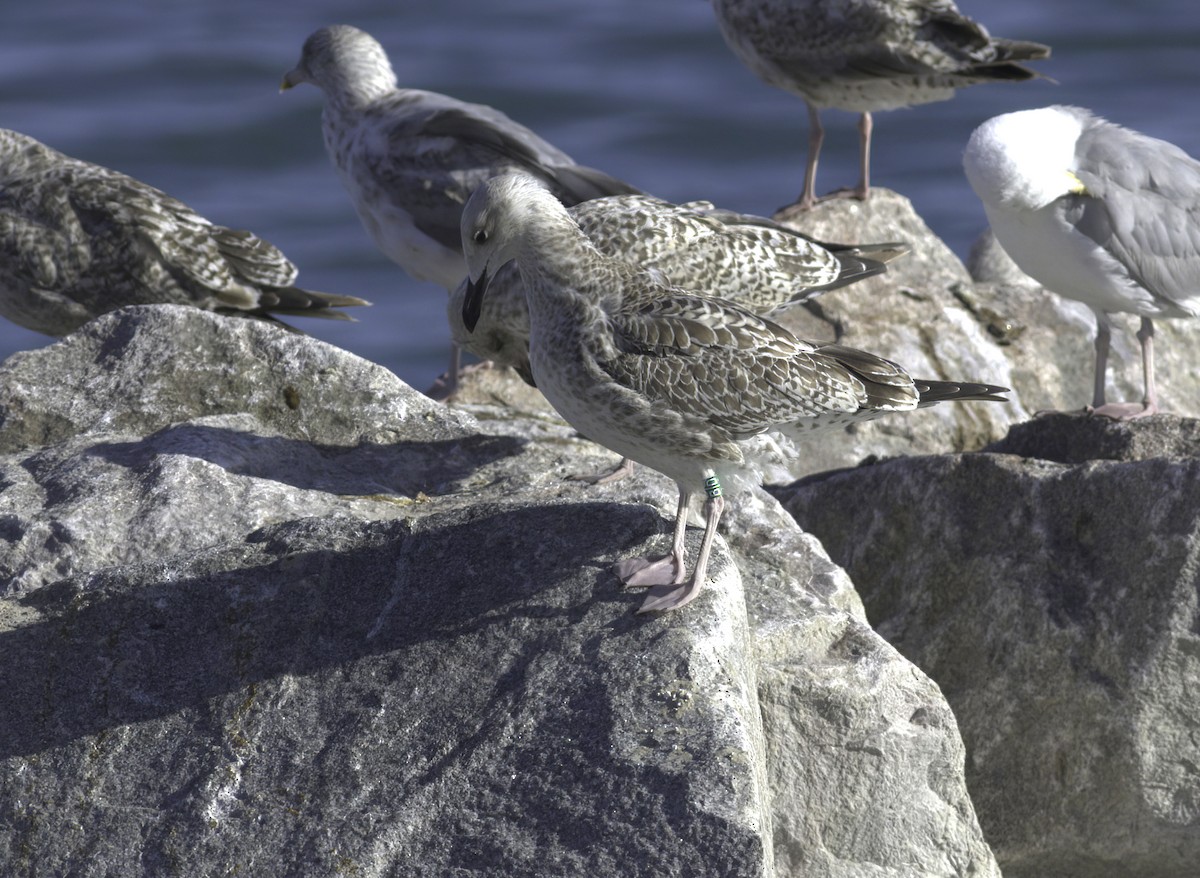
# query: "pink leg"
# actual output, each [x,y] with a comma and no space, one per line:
[863,189]
[446,385]
[663,570]
[1124,411]
[865,125]
[1146,337]
[816,136]
[1103,339]
[665,598]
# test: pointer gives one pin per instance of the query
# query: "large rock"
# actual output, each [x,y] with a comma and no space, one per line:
[271,612]
[1052,588]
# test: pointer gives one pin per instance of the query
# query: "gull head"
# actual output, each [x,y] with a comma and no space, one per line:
[1026,160]
[344,62]
[493,221]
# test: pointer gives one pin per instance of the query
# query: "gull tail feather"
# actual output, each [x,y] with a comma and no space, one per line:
[298,302]
[933,392]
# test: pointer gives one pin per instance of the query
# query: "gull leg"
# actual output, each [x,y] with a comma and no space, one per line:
[665,598]
[455,365]
[446,385]
[665,569]
[1124,411]
[1103,339]
[816,136]
[865,126]
[863,189]
[1150,396]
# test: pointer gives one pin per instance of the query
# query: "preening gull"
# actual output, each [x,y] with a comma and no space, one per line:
[762,265]
[866,55]
[1098,213]
[680,382]
[78,240]
[410,159]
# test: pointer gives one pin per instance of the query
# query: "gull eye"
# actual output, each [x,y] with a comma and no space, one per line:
[480,236]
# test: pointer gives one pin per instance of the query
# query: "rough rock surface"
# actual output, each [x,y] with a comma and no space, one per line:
[1052,588]
[270,612]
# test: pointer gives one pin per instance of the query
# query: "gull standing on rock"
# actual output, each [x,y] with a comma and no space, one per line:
[1097,213]
[410,159]
[680,382]
[78,240]
[866,55]
[762,265]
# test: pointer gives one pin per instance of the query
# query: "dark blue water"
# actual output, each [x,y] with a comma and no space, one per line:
[184,95]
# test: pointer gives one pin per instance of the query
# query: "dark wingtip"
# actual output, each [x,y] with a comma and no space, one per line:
[960,391]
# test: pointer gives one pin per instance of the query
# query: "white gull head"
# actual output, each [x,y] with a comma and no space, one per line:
[1025,160]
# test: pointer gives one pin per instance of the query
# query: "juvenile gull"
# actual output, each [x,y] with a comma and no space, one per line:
[866,55]
[410,159]
[680,382]
[760,264]
[1098,213]
[78,240]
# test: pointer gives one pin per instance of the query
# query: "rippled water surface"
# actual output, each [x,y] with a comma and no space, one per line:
[184,96]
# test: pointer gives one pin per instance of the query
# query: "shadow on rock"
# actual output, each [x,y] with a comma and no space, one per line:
[434,467]
[307,597]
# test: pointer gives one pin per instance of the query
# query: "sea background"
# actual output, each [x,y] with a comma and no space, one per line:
[184,96]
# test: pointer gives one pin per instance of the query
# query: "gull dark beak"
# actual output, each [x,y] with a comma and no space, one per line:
[473,301]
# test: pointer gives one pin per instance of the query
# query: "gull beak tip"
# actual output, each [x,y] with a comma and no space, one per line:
[473,302]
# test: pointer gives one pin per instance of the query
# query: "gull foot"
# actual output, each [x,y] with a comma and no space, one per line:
[800,205]
[669,597]
[446,384]
[647,572]
[1124,411]
[442,388]
[857,193]
[623,469]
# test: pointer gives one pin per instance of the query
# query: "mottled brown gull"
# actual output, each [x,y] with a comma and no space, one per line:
[680,382]
[758,263]
[1098,213]
[409,159]
[78,240]
[866,55]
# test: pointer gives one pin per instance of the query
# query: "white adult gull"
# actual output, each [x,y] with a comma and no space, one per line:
[680,382]
[409,159]
[1097,213]
[866,55]
[78,240]
[762,265]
